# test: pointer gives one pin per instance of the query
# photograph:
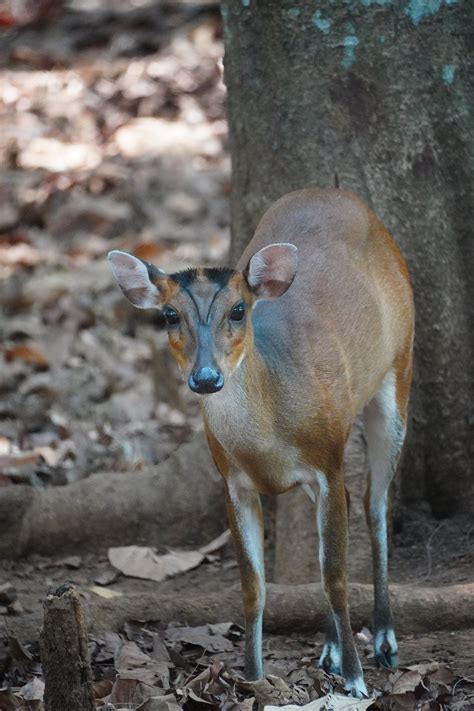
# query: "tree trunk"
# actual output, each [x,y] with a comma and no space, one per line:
[376,92]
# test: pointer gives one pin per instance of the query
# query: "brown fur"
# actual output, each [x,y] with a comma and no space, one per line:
[347,322]
[296,375]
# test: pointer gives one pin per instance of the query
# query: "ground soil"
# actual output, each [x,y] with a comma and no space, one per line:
[424,552]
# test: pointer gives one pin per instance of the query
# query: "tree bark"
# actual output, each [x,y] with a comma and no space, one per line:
[379,94]
[64,654]
[180,502]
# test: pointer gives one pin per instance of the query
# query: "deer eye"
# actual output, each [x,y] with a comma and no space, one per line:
[238,312]
[171,316]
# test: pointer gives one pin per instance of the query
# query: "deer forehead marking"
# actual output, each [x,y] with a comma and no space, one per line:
[203,286]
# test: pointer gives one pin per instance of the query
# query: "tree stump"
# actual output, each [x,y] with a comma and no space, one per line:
[64,653]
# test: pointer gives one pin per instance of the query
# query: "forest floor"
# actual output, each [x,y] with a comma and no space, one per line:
[113,135]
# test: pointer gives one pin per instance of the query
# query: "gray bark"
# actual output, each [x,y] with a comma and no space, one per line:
[379,93]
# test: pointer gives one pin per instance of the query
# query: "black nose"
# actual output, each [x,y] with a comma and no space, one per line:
[206,380]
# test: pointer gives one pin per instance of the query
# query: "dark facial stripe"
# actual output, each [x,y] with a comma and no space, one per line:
[217,275]
[190,294]
[208,317]
[201,316]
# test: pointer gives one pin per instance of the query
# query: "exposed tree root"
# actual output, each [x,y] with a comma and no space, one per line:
[180,502]
[299,608]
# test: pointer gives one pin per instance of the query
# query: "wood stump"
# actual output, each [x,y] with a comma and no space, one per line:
[64,653]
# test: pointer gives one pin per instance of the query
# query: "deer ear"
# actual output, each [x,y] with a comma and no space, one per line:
[271,270]
[138,280]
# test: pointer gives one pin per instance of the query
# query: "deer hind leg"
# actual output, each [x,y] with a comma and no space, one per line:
[330,659]
[332,523]
[385,426]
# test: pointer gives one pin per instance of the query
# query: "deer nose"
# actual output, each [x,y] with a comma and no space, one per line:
[206,380]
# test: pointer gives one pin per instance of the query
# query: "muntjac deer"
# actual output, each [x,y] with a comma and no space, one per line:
[312,327]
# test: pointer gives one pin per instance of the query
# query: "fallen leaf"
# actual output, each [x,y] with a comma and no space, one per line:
[146,675]
[20,459]
[246,705]
[107,648]
[160,703]
[130,692]
[192,695]
[151,136]
[7,19]
[106,577]
[466,703]
[27,354]
[272,689]
[33,690]
[160,652]
[423,669]
[225,627]
[443,676]
[148,251]
[399,702]
[330,702]
[52,456]
[365,635]
[143,562]
[133,663]
[130,656]
[18,255]
[403,682]
[54,155]
[102,688]
[209,687]
[198,682]
[105,592]
[5,445]
[203,636]
[9,701]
